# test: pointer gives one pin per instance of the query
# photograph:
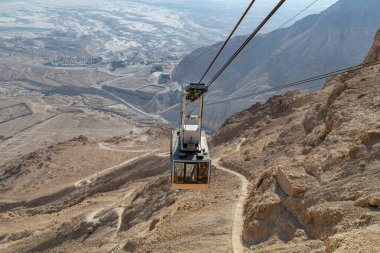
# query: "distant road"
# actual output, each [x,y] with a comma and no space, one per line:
[100,87]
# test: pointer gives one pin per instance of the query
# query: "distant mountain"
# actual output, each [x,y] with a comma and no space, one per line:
[336,38]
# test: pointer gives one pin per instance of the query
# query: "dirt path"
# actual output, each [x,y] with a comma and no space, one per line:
[11,138]
[104,146]
[112,206]
[238,220]
[133,107]
[89,179]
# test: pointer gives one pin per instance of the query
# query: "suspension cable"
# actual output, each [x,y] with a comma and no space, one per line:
[293,84]
[284,24]
[266,37]
[259,42]
[253,34]
[304,81]
[227,40]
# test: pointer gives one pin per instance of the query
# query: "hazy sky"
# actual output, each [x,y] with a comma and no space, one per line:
[230,10]
[287,10]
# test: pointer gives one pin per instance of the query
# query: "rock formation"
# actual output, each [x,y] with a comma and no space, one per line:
[313,161]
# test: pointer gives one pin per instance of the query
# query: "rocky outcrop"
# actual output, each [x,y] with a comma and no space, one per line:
[374,52]
[150,201]
[294,181]
[369,201]
[357,240]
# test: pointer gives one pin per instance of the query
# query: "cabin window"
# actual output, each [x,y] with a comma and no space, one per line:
[203,173]
[191,173]
[179,171]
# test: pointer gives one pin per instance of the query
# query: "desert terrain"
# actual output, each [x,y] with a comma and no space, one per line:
[82,168]
[298,173]
[85,137]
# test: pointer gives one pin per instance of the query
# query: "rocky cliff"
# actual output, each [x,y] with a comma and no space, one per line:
[374,53]
[313,162]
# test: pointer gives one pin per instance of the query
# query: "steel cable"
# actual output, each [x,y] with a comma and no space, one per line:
[227,40]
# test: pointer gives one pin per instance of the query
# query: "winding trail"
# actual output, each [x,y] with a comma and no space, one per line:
[91,178]
[159,118]
[122,101]
[238,219]
[104,146]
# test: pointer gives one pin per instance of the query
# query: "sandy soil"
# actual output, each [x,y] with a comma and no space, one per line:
[126,206]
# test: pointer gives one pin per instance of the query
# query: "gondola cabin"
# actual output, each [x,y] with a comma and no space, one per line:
[190,158]
[190,170]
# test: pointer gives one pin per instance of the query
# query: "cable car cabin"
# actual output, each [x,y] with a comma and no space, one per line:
[190,170]
[190,159]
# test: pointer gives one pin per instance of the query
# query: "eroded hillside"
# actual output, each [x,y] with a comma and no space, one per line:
[59,195]
[110,195]
[313,161]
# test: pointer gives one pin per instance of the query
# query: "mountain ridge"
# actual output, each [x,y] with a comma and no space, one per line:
[336,38]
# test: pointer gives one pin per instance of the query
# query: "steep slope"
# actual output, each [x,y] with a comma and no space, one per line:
[336,38]
[110,196]
[374,53]
[313,162]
